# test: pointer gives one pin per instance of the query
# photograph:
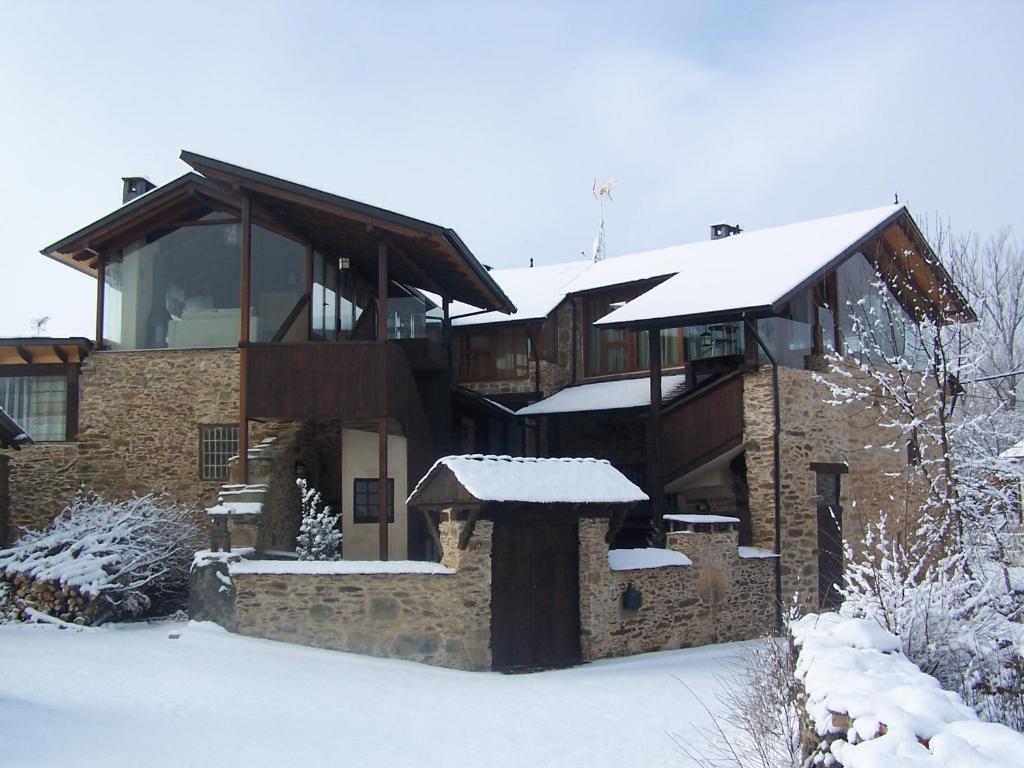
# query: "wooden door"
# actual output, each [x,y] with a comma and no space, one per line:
[535,595]
[830,541]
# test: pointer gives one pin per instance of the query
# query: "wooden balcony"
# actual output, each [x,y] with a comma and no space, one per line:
[326,380]
[703,425]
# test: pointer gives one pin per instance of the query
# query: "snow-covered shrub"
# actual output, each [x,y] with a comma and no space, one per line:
[103,560]
[319,537]
[867,705]
[763,706]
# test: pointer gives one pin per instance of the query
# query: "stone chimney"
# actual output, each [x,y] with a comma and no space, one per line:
[720,230]
[135,186]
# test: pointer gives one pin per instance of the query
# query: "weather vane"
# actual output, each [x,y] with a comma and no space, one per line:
[600,193]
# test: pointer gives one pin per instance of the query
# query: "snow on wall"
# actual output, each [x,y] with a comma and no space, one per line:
[336,567]
[876,709]
[504,478]
[650,557]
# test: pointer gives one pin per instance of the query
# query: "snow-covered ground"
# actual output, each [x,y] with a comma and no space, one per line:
[130,695]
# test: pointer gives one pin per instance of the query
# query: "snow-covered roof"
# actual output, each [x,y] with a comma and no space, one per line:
[535,291]
[1015,451]
[749,270]
[603,396]
[540,481]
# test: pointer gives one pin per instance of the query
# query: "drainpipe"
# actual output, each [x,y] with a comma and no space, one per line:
[776,461]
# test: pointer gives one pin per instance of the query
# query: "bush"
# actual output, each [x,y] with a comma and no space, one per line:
[319,537]
[103,560]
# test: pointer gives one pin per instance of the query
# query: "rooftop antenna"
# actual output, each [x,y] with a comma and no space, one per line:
[600,193]
[896,199]
[39,325]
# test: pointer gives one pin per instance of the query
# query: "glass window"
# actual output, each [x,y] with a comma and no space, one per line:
[38,403]
[704,342]
[217,444]
[671,348]
[493,354]
[884,325]
[177,289]
[326,319]
[277,288]
[366,500]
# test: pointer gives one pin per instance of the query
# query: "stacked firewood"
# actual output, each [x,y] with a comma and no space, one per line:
[61,601]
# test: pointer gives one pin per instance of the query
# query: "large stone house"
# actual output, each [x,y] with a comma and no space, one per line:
[250,330]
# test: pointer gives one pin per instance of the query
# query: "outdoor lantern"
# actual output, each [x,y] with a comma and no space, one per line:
[707,341]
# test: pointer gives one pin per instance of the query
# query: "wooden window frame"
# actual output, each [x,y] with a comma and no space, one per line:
[372,516]
[491,372]
[630,341]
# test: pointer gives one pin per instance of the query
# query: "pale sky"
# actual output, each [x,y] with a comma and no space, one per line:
[495,120]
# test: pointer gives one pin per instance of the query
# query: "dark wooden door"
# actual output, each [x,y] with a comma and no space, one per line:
[535,608]
[830,541]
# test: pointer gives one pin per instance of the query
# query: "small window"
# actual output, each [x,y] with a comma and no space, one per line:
[217,444]
[366,500]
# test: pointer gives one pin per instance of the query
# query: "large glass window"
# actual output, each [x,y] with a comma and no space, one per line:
[177,288]
[704,342]
[494,354]
[885,327]
[38,403]
[277,288]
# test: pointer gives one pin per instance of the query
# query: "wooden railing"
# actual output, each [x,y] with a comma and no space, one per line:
[703,425]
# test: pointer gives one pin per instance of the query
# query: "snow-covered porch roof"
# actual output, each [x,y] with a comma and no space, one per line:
[604,396]
[477,478]
[1015,451]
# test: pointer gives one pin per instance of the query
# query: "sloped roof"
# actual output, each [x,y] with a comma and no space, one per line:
[1015,451]
[539,481]
[751,270]
[11,433]
[535,291]
[603,396]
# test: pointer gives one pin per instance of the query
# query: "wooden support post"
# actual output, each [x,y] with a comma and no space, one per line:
[243,378]
[309,291]
[382,388]
[101,277]
[446,339]
[655,481]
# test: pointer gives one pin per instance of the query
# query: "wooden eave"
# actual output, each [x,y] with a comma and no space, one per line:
[36,350]
[420,254]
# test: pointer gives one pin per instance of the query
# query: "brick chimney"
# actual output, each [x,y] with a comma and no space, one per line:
[720,230]
[135,186]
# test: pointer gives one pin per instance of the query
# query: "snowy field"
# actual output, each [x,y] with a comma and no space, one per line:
[129,695]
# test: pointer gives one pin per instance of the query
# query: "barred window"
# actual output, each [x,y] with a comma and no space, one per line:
[217,444]
[366,500]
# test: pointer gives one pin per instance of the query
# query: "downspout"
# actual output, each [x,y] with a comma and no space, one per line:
[777,463]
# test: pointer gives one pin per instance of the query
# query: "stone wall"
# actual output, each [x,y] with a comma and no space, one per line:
[720,598]
[442,619]
[139,417]
[879,479]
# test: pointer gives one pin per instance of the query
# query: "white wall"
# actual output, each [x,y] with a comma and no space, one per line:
[359,459]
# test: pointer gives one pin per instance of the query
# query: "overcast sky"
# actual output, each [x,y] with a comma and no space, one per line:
[497,121]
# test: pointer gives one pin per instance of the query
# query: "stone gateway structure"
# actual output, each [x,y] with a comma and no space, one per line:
[525,581]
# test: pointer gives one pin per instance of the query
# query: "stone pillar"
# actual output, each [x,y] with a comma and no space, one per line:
[717,548]
[595,582]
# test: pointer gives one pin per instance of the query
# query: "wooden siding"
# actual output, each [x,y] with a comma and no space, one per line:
[702,426]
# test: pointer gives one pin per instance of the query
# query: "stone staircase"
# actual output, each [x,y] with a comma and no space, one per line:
[245,513]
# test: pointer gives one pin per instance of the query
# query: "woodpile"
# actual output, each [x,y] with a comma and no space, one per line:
[61,601]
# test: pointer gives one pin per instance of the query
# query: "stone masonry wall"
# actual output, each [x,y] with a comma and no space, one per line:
[720,598]
[432,618]
[139,417]
[879,479]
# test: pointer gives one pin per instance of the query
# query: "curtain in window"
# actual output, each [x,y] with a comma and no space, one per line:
[38,404]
